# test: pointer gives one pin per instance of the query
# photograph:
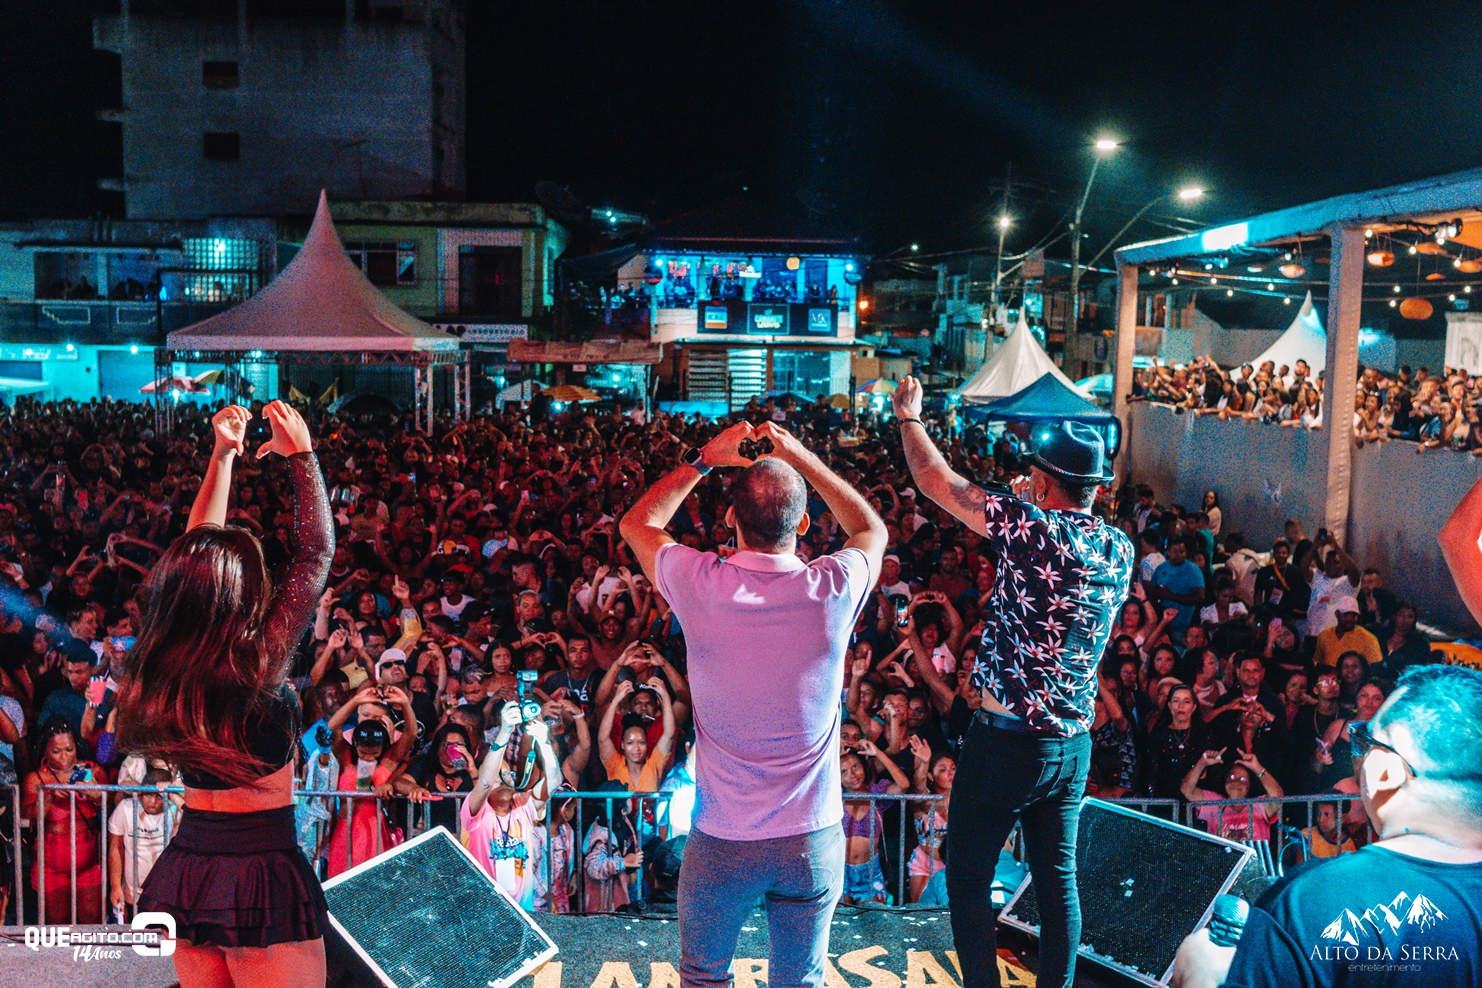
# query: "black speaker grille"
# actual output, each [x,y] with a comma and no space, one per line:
[428,916]
[1144,885]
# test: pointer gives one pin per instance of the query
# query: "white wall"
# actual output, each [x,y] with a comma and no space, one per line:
[1265,474]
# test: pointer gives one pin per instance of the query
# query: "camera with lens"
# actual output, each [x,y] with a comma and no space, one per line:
[752,448]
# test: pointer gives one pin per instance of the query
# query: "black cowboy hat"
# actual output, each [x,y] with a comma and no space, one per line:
[1075,452]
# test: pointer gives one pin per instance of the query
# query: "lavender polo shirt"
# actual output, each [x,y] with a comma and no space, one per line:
[765,635]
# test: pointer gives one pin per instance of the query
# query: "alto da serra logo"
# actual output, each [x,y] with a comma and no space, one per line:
[1355,929]
[1359,936]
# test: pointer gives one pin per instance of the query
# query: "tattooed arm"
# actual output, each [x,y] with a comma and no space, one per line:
[938,481]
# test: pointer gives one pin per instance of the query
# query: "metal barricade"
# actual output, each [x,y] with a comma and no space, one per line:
[360,825]
[1164,809]
[78,821]
[1285,834]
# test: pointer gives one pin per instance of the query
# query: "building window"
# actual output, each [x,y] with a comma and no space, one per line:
[229,268]
[490,282]
[385,263]
[219,75]
[223,147]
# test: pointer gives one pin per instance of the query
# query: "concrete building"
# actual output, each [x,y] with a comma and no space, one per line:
[250,107]
[83,303]
[482,271]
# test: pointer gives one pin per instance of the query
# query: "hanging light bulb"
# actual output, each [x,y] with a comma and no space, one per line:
[1287,300]
[1381,258]
[1393,303]
[1292,270]
[1175,281]
[1270,286]
[1214,281]
[1229,291]
[1397,289]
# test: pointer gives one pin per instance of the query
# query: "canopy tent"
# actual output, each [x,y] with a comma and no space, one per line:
[322,310]
[320,302]
[1050,400]
[1304,339]
[1045,399]
[1017,363]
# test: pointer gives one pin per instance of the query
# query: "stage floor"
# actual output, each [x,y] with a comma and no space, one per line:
[868,949]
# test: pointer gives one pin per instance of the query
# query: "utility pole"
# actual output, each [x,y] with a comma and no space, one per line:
[1073,326]
[1003,228]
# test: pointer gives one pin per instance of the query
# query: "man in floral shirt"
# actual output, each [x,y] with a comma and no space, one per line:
[1062,577]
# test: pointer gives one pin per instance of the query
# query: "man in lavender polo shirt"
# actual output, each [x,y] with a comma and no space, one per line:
[765,634]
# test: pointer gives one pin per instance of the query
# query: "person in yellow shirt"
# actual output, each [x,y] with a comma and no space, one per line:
[1326,838]
[1346,636]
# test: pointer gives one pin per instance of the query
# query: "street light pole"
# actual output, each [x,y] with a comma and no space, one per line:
[1004,222]
[1003,227]
[1075,261]
[1186,195]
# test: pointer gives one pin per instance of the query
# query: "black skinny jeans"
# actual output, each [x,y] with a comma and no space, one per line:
[1004,777]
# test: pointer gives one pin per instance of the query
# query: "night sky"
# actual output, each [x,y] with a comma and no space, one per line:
[889,120]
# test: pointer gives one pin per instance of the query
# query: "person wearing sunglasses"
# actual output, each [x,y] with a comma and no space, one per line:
[1405,910]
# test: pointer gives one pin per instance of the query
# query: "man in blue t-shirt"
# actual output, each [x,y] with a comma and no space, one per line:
[1405,910]
[1178,583]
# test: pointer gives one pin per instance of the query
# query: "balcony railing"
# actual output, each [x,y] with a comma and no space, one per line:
[100,322]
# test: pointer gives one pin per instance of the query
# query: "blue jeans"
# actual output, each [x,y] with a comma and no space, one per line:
[800,878]
[1004,777]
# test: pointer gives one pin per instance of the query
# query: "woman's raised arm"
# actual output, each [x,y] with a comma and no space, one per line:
[297,596]
[230,427]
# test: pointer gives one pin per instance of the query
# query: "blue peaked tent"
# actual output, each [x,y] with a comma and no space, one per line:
[1045,399]
[1050,400]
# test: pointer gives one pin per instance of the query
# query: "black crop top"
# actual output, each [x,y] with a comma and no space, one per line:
[271,735]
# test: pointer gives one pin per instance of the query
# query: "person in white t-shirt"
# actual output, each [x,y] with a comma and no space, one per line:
[1338,576]
[891,583]
[1149,540]
[1242,565]
[136,838]
[1226,606]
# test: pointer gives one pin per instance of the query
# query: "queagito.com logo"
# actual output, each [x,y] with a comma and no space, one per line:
[150,934]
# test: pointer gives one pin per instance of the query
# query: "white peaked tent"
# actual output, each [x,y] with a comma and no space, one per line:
[1304,339]
[320,303]
[1014,366]
[322,311]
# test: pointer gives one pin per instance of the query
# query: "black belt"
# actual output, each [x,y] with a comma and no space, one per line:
[1016,724]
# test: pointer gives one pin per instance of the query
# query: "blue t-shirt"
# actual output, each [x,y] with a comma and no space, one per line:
[1181,579]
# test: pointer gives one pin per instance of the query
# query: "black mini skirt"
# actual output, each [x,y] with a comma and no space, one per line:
[237,880]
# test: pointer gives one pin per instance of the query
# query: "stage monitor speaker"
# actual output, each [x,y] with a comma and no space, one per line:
[426,913]
[1145,884]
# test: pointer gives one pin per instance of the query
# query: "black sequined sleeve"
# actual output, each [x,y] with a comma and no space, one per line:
[297,595]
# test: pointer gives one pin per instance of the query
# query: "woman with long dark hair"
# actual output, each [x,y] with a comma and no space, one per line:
[205,689]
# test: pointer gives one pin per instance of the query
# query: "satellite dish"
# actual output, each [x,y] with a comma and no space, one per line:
[561,203]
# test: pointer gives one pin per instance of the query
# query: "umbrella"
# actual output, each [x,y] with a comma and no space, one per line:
[176,383]
[837,401]
[571,392]
[217,376]
[876,386]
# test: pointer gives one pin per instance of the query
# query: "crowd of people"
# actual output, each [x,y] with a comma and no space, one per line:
[1433,411]
[482,567]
